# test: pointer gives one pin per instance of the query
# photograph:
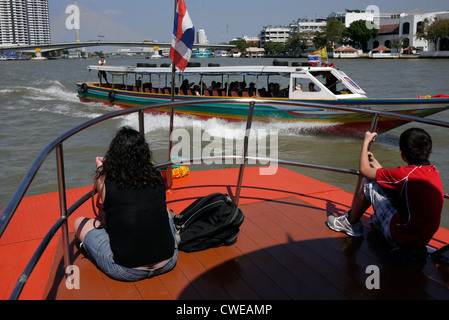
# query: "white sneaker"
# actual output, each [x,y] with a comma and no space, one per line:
[342,224]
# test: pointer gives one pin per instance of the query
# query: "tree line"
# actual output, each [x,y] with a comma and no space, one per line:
[335,34]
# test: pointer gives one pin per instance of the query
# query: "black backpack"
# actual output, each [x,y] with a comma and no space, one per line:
[209,222]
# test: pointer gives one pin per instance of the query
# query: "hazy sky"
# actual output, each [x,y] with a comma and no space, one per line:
[222,19]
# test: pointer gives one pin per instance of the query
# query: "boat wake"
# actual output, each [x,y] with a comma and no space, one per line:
[49,96]
[221,128]
[43,90]
[51,90]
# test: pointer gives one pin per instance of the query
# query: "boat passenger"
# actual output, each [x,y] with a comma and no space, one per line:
[252,90]
[147,86]
[185,85]
[213,86]
[263,92]
[270,91]
[101,74]
[133,236]
[298,88]
[196,90]
[277,92]
[235,87]
[312,87]
[203,86]
[407,201]
[218,90]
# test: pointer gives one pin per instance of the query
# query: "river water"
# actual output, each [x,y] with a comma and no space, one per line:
[39,102]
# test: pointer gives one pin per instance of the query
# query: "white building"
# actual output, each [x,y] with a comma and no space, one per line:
[274,34]
[251,39]
[201,37]
[350,16]
[307,26]
[405,27]
[24,22]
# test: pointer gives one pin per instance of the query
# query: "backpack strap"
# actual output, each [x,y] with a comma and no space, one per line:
[198,204]
[178,236]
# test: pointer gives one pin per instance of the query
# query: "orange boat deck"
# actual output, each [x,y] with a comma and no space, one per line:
[284,251]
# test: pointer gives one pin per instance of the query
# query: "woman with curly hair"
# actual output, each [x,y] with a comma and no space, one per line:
[133,236]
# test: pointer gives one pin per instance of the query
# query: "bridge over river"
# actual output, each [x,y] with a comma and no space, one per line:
[85,44]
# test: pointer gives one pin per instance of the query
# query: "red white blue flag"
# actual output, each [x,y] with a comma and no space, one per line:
[183,37]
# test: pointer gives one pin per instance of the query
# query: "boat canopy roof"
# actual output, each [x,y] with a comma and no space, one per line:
[232,70]
[293,72]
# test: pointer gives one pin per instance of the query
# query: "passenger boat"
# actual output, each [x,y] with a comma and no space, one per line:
[202,53]
[14,56]
[136,86]
[284,250]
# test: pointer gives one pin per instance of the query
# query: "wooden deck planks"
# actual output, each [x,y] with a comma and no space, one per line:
[225,273]
[284,252]
[284,244]
[306,242]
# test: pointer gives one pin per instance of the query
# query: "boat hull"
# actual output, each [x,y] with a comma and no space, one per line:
[318,120]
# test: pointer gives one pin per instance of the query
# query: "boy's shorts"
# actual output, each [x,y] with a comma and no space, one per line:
[383,208]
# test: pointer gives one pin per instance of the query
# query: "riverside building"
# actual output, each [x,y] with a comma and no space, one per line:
[24,22]
[274,34]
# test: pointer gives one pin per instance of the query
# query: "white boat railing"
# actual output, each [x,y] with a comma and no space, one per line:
[57,146]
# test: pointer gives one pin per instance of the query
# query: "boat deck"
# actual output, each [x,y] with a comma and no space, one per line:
[284,251]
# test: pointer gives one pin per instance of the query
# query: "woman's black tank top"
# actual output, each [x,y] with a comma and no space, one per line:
[138,225]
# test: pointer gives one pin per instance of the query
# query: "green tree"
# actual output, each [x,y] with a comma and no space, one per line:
[240,44]
[274,47]
[360,34]
[334,32]
[297,43]
[320,39]
[435,30]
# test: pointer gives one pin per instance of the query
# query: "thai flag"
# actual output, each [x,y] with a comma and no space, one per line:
[183,37]
[314,57]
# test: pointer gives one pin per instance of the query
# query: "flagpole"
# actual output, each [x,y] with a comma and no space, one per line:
[169,180]
[173,69]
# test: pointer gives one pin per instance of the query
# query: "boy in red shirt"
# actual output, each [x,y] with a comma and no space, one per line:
[407,201]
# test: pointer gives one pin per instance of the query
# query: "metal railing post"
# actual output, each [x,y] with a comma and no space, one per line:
[245,151]
[359,185]
[63,204]
[141,122]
